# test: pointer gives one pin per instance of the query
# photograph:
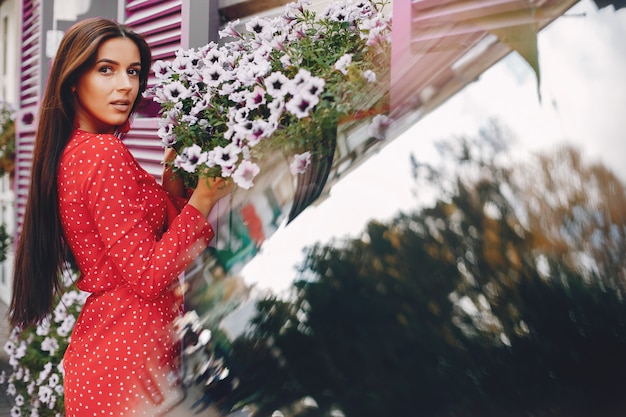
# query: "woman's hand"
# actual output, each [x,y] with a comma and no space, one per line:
[171,182]
[208,192]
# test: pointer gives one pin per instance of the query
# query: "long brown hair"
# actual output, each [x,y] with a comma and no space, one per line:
[41,253]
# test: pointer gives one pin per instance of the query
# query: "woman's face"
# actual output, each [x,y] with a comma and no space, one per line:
[106,92]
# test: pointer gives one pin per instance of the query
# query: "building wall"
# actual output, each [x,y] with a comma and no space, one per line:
[9,44]
[9,35]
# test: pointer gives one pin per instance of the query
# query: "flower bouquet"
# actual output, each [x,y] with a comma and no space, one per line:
[280,85]
[35,384]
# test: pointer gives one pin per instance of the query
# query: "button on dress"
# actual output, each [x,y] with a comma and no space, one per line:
[131,241]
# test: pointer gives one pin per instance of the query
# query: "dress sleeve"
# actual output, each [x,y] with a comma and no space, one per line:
[119,205]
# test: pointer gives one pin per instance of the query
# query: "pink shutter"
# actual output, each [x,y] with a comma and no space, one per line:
[30,91]
[161,24]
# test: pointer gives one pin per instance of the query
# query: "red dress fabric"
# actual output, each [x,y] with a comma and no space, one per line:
[131,241]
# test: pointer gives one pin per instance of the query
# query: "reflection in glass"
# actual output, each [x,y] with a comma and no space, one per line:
[453,273]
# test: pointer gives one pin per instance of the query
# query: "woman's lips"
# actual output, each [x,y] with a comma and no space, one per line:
[122,106]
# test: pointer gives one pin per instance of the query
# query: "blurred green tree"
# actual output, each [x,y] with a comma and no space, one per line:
[496,300]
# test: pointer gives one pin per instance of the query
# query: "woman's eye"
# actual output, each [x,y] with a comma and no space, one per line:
[105,69]
[133,71]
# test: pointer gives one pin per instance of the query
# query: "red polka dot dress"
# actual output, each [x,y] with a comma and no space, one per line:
[131,241]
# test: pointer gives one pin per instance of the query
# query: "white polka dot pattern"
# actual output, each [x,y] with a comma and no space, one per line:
[131,242]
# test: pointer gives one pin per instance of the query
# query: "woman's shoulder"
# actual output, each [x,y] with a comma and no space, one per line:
[97,145]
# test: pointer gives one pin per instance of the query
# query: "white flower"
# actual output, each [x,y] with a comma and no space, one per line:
[15,411]
[229,87]
[162,69]
[277,84]
[369,75]
[68,276]
[299,80]
[190,158]
[212,54]
[176,91]
[20,352]
[66,326]
[59,389]
[54,380]
[184,62]
[43,328]
[50,345]
[19,400]
[314,86]
[301,104]
[9,347]
[378,127]
[189,119]
[260,129]
[245,173]
[226,156]
[276,108]
[45,394]
[166,133]
[285,60]
[342,63]
[213,75]
[13,361]
[300,163]
[229,30]
[255,98]
[43,375]
[257,25]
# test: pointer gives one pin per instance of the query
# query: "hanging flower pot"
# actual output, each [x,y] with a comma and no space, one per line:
[312,179]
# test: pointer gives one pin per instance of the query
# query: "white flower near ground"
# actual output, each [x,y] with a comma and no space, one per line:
[9,347]
[43,328]
[66,326]
[20,351]
[45,372]
[54,380]
[45,394]
[50,345]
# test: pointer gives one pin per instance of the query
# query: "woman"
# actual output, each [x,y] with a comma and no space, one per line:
[130,237]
